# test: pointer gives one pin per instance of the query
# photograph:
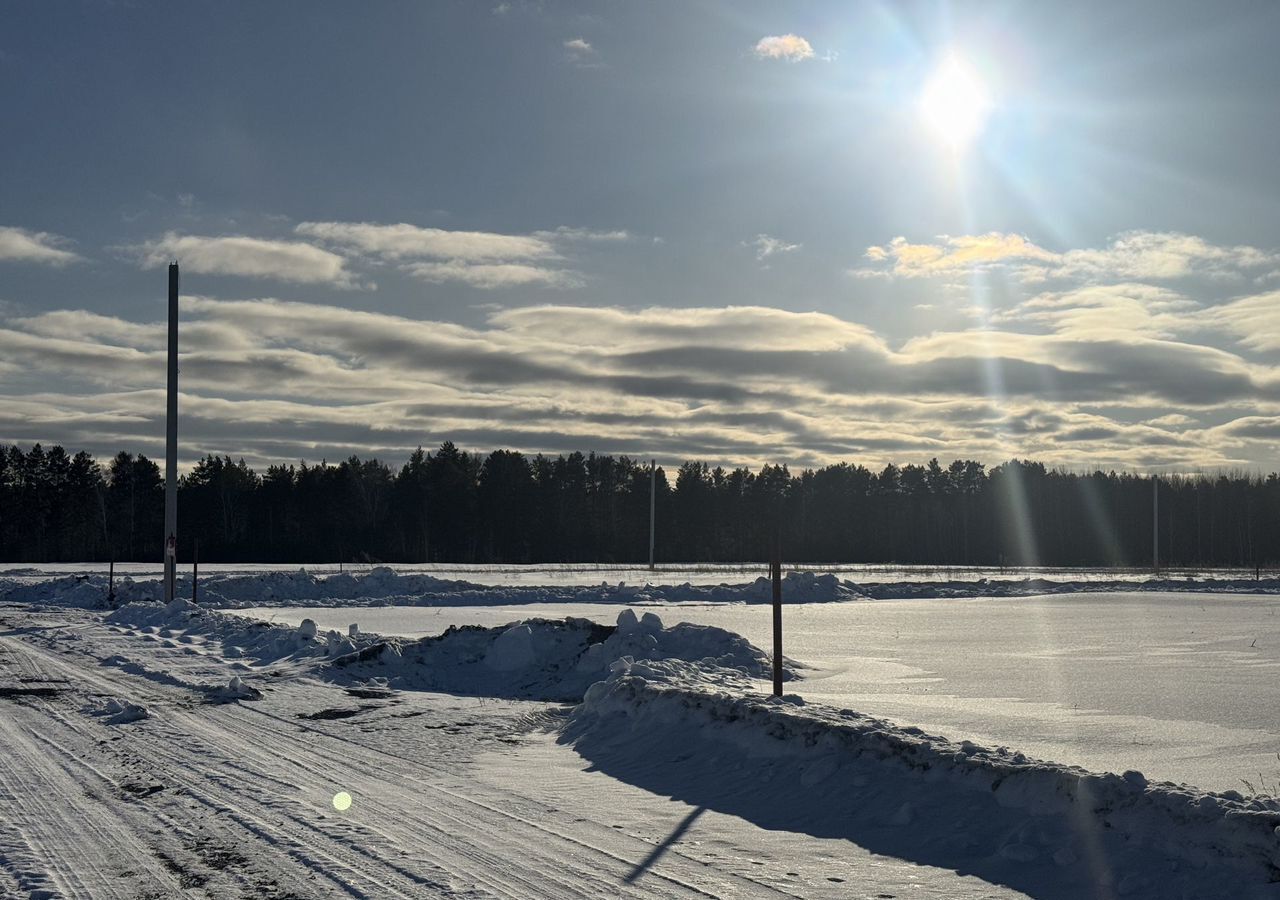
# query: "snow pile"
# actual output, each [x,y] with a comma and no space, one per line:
[549,659]
[119,712]
[235,690]
[79,591]
[697,733]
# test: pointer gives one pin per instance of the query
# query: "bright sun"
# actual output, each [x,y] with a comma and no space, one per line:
[955,103]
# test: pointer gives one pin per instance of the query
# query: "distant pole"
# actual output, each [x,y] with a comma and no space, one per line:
[171,447]
[775,570]
[195,568]
[111,584]
[1155,523]
[653,498]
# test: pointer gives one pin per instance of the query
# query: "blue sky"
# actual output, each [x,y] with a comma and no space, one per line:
[712,230]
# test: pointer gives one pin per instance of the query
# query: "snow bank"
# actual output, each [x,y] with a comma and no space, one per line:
[991,811]
[383,587]
[549,659]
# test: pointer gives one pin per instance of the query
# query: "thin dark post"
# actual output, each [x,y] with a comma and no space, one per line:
[195,568]
[171,447]
[111,584]
[776,572]
[1155,523]
[653,500]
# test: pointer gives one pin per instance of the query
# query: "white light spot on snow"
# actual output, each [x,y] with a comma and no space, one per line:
[342,801]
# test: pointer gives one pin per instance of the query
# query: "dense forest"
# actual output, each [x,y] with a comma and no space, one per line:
[454,506]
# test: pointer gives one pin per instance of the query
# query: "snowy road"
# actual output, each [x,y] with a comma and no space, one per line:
[452,796]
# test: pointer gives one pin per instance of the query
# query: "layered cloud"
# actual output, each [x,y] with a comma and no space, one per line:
[288,261]
[479,259]
[273,379]
[21,245]
[1133,255]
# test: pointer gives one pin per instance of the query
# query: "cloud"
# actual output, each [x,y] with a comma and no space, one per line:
[1255,321]
[564,232]
[275,379]
[1159,255]
[790,47]
[580,52]
[404,241]
[1108,312]
[1133,255]
[290,261]
[767,246]
[489,276]
[954,255]
[480,259]
[21,245]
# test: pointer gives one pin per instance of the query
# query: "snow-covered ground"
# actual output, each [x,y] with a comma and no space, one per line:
[150,751]
[589,574]
[1182,686]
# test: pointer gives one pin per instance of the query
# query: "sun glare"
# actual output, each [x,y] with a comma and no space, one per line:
[955,103]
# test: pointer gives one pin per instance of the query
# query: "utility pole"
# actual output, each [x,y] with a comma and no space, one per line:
[775,572]
[1155,523]
[171,447]
[653,497]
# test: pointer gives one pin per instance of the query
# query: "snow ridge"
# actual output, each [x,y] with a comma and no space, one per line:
[867,773]
[383,586]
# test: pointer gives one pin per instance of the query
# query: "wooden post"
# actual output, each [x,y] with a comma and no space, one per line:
[111,584]
[776,572]
[195,568]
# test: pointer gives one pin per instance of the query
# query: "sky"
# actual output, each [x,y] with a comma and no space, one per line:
[738,232]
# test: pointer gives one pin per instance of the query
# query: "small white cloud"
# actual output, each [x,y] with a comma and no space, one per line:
[580,53]
[790,47]
[564,232]
[21,245]
[767,246]
[491,276]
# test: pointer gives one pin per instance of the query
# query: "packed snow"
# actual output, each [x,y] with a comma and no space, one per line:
[229,739]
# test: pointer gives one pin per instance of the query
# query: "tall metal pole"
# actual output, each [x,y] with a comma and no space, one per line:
[1155,523]
[171,447]
[653,496]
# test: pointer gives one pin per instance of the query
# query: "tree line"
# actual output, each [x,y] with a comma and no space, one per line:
[451,505]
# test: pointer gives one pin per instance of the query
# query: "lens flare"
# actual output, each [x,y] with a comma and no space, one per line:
[342,801]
